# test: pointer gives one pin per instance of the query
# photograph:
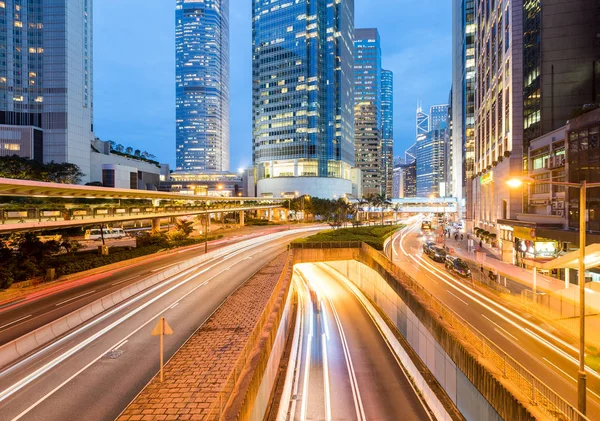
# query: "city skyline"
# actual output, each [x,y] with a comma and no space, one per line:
[144,81]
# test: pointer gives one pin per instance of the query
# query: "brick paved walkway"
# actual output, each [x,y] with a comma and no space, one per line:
[198,371]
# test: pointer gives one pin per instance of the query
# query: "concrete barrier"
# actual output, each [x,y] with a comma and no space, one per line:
[12,351]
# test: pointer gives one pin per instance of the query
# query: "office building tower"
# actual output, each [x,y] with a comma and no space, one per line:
[202,85]
[46,80]
[438,117]
[463,103]
[368,150]
[387,130]
[303,97]
[410,155]
[422,122]
[410,180]
[430,164]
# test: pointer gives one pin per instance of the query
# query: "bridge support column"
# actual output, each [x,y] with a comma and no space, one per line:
[242,221]
[270,215]
[155,226]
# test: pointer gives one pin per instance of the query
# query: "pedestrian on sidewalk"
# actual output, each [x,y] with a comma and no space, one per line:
[480,245]
[455,237]
[461,237]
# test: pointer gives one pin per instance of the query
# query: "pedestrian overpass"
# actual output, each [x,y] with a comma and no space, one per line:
[41,206]
[414,205]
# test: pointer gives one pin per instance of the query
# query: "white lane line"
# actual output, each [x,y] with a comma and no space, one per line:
[458,298]
[326,379]
[164,267]
[500,327]
[360,411]
[74,298]
[15,321]
[559,369]
[120,344]
[48,366]
[506,337]
[468,293]
[125,280]
[174,305]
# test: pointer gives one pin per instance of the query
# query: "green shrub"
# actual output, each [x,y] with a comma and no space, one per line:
[374,236]
[6,279]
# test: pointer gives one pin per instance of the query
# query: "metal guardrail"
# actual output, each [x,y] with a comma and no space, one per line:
[539,394]
[218,407]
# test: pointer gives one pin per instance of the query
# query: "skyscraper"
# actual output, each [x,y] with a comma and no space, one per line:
[430,163]
[202,85]
[438,117]
[368,150]
[303,97]
[463,101]
[422,123]
[46,79]
[387,130]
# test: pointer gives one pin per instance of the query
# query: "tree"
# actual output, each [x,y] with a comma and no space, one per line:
[28,169]
[380,200]
[185,228]
[128,150]
[63,173]
[137,153]
[120,148]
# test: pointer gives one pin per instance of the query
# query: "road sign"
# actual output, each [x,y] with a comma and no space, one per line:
[161,329]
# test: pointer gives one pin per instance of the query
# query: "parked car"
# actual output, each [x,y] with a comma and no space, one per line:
[437,254]
[427,245]
[458,266]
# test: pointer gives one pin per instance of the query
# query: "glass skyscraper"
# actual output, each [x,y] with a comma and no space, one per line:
[202,85]
[368,116]
[46,79]
[387,129]
[302,97]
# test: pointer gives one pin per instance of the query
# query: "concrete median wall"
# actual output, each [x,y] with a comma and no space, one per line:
[20,347]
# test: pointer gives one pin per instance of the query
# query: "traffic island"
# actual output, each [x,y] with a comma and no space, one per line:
[219,372]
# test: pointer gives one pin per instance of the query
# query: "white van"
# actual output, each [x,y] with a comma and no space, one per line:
[109,233]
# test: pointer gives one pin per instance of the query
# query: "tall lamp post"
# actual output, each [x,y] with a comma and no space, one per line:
[582,186]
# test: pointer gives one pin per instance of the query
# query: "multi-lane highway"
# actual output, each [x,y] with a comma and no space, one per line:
[344,368]
[93,372]
[535,345]
[35,311]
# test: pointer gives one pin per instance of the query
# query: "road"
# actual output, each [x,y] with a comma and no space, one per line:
[535,345]
[41,308]
[345,370]
[98,368]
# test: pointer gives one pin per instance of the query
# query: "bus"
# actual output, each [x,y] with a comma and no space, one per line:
[109,233]
[425,227]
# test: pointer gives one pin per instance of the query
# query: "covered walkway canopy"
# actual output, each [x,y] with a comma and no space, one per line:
[13,187]
[569,260]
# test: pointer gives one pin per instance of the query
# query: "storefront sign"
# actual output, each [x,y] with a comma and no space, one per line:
[524,233]
[545,248]
[487,178]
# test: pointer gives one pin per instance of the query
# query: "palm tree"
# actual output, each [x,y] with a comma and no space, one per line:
[381,200]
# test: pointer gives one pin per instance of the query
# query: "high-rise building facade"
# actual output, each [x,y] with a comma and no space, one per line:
[368,116]
[303,97]
[387,130]
[202,85]
[46,77]
[430,163]
[438,117]
[498,112]
[410,179]
[463,102]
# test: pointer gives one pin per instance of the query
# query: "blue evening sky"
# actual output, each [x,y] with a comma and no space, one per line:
[134,69]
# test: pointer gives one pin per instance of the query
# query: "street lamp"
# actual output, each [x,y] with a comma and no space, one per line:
[517,182]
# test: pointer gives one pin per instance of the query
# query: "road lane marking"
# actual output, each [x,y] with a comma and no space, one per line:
[74,298]
[468,293]
[326,379]
[504,334]
[457,297]
[15,321]
[120,344]
[559,369]
[164,267]
[125,280]
[499,327]
[173,306]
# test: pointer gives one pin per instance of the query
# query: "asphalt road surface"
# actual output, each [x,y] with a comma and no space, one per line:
[546,353]
[21,317]
[345,370]
[98,368]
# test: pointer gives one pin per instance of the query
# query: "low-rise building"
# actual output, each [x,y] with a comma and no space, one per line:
[216,184]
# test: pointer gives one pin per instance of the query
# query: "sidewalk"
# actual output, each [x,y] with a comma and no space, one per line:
[492,261]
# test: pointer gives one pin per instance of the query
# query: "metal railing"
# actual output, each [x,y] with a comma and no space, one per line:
[219,405]
[538,393]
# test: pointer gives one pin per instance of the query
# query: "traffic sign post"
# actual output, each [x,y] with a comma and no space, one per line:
[161,329]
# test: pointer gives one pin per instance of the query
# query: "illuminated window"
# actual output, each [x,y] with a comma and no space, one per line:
[12,146]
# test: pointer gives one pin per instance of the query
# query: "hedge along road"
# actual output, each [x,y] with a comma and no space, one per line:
[45,307]
[117,357]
